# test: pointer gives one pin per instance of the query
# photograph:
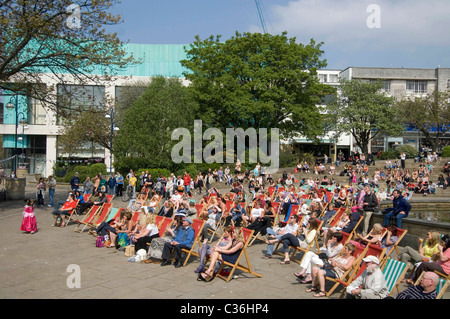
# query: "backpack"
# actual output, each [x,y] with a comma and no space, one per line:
[100,241]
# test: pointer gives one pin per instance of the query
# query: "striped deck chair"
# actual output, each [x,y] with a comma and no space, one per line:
[86,197]
[440,288]
[394,271]
[293,210]
[247,235]
[114,213]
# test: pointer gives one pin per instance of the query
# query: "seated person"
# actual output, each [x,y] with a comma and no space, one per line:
[65,210]
[184,238]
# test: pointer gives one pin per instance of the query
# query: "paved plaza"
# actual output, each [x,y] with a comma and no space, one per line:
[42,266]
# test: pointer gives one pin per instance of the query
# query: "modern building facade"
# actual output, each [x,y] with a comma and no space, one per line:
[401,83]
[28,128]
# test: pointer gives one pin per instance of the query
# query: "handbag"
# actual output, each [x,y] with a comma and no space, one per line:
[100,241]
[129,251]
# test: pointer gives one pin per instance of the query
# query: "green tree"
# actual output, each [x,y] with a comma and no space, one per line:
[59,38]
[259,81]
[147,125]
[429,114]
[362,109]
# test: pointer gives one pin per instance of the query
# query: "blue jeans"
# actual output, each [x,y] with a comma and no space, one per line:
[398,217]
[51,194]
[271,247]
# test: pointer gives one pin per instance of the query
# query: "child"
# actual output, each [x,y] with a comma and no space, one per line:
[29,219]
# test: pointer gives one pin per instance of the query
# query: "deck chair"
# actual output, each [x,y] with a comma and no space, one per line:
[197,225]
[247,235]
[114,213]
[109,198]
[440,288]
[86,197]
[308,248]
[394,271]
[166,222]
[293,210]
[88,218]
[221,222]
[348,276]
[73,213]
[100,217]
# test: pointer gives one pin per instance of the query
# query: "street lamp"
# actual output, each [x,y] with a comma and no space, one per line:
[113,128]
[11,106]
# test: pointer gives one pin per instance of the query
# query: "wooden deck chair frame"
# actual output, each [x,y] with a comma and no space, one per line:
[247,234]
[220,223]
[100,217]
[197,225]
[349,275]
[260,237]
[298,249]
[73,213]
[89,217]
[394,271]
[441,287]
[109,198]
[300,223]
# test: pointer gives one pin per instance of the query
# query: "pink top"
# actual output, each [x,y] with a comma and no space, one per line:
[28,211]
[446,264]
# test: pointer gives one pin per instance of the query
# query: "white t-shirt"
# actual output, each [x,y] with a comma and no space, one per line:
[153,229]
[256,212]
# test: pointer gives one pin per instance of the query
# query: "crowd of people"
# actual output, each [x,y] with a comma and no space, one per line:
[255,207]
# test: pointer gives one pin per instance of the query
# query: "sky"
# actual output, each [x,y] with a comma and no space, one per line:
[358,33]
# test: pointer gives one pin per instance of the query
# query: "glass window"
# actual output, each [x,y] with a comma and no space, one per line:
[416,86]
[73,99]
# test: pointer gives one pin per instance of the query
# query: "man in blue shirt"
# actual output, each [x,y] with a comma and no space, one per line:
[400,210]
[184,238]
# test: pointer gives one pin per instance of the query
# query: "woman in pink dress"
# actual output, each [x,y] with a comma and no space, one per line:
[29,219]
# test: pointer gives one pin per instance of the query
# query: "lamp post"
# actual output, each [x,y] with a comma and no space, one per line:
[113,128]
[15,106]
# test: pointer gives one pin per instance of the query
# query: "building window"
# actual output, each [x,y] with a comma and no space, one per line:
[416,86]
[334,78]
[448,84]
[73,99]
[323,78]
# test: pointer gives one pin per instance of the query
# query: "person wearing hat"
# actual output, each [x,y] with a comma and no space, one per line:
[184,238]
[370,284]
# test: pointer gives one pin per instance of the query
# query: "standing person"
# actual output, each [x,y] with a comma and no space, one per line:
[370,203]
[200,183]
[403,159]
[187,182]
[51,183]
[133,180]
[112,185]
[75,182]
[40,192]
[119,180]
[88,186]
[29,223]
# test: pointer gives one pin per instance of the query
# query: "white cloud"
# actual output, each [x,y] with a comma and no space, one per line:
[404,24]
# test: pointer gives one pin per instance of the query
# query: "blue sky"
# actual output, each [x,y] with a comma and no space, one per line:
[393,33]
